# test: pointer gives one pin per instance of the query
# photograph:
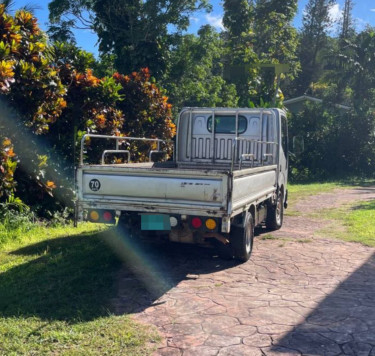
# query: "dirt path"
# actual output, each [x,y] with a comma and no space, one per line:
[298,294]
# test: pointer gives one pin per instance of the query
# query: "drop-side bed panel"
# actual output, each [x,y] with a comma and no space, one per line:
[157,188]
[205,190]
[253,185]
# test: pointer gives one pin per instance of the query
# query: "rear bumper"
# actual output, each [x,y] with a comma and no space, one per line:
[154,207]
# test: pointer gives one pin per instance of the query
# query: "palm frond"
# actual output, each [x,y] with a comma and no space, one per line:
[30,7]
[8,4]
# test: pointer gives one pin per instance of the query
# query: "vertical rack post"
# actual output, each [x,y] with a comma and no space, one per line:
[236,155]
[213,136]
[261,137]
[191,133]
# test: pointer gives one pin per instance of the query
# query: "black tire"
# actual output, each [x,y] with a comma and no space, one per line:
[275,213]
[223,251]
[242,238]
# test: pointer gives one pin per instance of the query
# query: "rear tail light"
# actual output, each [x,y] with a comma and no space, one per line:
[102,216]
[196,223]
[107,216]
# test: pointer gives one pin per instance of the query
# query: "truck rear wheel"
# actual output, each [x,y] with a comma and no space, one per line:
[241,239]
[275,213]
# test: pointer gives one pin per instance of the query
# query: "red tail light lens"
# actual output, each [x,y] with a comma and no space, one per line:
[196,223]
[107,216]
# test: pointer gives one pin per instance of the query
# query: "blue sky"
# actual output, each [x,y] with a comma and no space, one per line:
[363,13]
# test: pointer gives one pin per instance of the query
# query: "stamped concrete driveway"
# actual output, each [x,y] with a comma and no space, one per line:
[298,294]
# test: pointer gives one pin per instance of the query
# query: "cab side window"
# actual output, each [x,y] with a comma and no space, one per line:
[284,135]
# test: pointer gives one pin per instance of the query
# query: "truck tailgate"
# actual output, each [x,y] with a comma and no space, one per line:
[148,189]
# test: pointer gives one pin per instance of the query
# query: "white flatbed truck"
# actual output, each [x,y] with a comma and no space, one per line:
[228,174]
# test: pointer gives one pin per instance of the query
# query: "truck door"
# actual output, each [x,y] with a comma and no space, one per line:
[283,157]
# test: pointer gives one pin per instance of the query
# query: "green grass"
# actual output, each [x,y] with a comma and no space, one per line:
[268,237]
[297,192]
[302,190]
[55,290]
[351,223]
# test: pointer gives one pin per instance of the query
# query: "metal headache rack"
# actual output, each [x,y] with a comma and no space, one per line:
[256,151]
[118,150]
[213,150]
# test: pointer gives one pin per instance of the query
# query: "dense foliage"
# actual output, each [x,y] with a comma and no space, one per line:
[61,92]
[32,85]
[8,165]
[56,99]
[195,72]
[148,113]
[138,32]
[314,40]
[339,70]
[195,69]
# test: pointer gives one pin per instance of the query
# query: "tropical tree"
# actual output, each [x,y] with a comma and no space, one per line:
[139,33]
[275,42]
[347,30]
[195,72]
[238,17]
[30,84]
[341,141]
[316,22]
[259,36]
[240,60]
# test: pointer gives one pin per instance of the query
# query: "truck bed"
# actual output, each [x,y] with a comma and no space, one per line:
[168,188]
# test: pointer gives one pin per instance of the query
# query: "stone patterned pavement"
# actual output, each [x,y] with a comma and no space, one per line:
[299,293]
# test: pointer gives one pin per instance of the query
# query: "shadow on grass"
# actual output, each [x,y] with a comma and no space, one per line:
[364,183]
[73,278]
[365,206]
[70,279]
[354,182]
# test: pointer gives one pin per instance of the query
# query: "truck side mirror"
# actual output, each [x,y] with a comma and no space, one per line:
[298,145]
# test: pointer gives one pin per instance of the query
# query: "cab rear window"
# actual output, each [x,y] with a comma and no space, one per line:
[226,124]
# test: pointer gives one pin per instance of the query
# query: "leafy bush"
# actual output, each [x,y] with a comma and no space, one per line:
[8,165]
[146,109]
[15,218]
[58,99]
[32,85]
[338,143]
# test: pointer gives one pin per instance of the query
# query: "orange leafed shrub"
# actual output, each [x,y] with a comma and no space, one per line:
[147,111]
[59,99]
[30,84]
[8,165]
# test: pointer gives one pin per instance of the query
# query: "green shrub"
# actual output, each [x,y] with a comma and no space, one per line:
[15,218]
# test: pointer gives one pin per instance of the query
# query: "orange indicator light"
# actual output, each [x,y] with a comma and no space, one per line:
[94,215]
[210,224]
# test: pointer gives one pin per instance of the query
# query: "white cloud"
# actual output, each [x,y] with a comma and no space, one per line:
[215,21]
[373,10]
[335,13]
[360,24]
[194,19]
